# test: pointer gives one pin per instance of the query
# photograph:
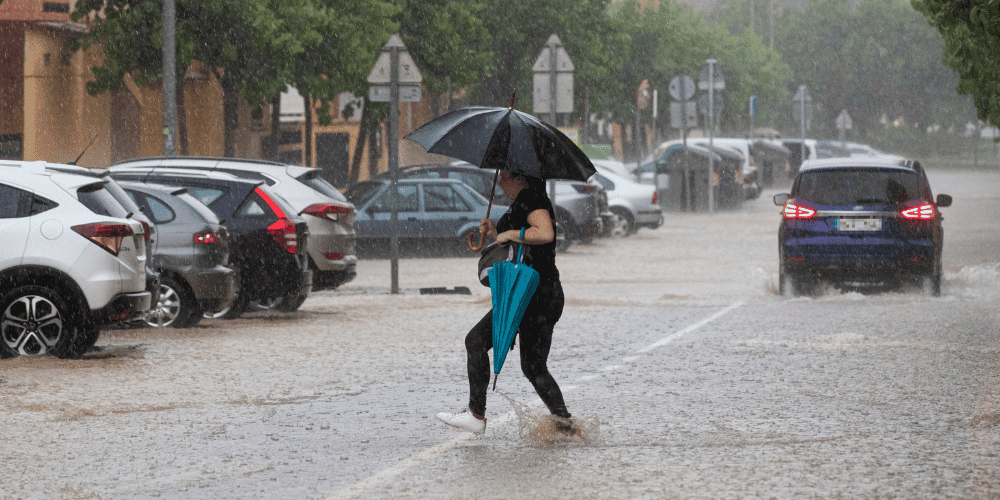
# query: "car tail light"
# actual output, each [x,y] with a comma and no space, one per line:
[925,212]
[333,256]
[327,210]
[147,230]
[107,235]
[584,188]
[793,211]
[208,237]
[656,198]
[283,231]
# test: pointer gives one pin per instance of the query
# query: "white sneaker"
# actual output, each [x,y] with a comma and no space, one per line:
[464,420]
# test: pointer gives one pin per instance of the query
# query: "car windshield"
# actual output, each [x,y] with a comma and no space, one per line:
[858,186]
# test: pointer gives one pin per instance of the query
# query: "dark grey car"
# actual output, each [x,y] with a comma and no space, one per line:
[191,255]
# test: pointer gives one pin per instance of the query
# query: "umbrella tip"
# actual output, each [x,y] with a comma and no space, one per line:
[513,95]
[495,375]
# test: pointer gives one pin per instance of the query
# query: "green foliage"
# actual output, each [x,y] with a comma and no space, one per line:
[872,58]
[673,40]
[971,32]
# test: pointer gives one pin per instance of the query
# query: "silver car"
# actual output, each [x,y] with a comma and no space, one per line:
[632,204]
[191,255]
[327,212]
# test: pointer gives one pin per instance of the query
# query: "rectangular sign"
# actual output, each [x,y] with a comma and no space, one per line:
[407,93]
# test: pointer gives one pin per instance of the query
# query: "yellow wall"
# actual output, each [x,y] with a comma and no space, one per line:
[11,81]
[60,118]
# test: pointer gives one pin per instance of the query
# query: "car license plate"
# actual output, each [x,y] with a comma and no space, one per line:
[859,224]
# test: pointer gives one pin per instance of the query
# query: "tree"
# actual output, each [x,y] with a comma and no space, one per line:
[255,47]
[870,57]
[971,32]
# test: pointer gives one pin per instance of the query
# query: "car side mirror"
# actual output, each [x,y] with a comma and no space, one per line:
[781,198]
[943,200]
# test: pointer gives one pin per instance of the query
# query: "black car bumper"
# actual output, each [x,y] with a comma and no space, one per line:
[123,308]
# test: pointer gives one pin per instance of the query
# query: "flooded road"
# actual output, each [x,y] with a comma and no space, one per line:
[690,376]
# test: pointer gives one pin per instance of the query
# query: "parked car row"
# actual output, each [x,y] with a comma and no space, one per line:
[583,209]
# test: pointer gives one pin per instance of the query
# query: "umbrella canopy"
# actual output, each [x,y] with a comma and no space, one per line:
[512,285]
[507,139]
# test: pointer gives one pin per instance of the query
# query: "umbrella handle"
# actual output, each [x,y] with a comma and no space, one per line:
[470,242]
[482,236]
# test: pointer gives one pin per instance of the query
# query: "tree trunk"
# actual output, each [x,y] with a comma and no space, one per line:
[272,149]
[182,138]
[359,147]
[231,120]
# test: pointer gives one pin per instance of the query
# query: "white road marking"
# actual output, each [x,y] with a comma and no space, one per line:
[404,465]
[670,338]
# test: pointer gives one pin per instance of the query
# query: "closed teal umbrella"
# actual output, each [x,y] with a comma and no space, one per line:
[512,285]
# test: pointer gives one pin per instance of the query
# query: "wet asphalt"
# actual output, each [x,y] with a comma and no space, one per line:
[688,375]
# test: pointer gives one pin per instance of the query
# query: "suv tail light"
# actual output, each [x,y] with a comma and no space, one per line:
[924,212]
[283,231]
[584,188]
[327,210]
[147,230]
[656,198]
[107,235]
[209,237]
[793,211]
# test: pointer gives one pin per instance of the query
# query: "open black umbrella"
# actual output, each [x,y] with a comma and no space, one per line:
[504,139]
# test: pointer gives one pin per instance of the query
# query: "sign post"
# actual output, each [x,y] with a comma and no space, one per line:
[683,115]
[802,107]
[711,79]
[553,86]
[394,66]
[844,124]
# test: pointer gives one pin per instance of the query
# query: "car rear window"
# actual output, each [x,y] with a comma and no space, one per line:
[856,186]
[100,201]
[361,192]
[313,180]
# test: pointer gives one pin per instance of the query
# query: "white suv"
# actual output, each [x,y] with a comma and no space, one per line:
[327,212]
[72,262]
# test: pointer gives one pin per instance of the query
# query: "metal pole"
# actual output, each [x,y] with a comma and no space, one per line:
[553,47]
[394,164]
[169,78]
[802,113]
[711,134]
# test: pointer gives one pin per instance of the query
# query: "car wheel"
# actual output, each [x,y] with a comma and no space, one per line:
[268,304]
[931,283]
[176,308]
[788,284]
[621,224]
[35,321]
[290,303]
[563,242]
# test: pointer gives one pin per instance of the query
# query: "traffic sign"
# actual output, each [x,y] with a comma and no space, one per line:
[681,88]
[544,61]
[407,93]
[844,121]
[553,77]
[753,106]
[711,71]
[683,114]
[408,71]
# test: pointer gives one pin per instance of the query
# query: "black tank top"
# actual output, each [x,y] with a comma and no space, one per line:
[543,257]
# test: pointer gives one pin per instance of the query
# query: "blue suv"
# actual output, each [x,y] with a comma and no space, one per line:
[860,223]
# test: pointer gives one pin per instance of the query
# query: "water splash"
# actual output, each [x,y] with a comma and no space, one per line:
[544,429]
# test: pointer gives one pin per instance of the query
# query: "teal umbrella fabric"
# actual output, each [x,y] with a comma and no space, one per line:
[512,285]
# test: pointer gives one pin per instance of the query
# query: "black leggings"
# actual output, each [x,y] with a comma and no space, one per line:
[535,338]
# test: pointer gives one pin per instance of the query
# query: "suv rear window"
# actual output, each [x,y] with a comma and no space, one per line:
[313,180]
[100,201]
[858,186]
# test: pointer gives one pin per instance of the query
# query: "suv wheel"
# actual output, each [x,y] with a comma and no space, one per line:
[36,320]
[931,282]
[290,303]
[176,308]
